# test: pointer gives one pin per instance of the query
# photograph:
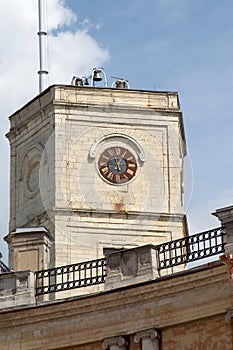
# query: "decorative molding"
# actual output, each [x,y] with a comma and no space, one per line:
[119,342]
[128,140]
[30,170]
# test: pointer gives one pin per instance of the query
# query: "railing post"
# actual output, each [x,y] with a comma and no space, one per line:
[17,288]
[131,266]
[225,215]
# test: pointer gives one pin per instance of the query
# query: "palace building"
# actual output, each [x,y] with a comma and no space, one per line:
[99,248]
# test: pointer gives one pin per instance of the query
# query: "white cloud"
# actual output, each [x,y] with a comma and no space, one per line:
[58,15]
[72,52]
[78,53]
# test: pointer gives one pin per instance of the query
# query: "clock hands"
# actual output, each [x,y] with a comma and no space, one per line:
[117,164]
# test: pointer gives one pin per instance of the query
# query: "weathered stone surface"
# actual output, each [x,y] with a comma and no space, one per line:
[188,308]
[55,142]
[29,248]
[128,267]
[16,288]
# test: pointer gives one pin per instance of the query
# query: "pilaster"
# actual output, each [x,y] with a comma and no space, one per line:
[114,343]
[149,339]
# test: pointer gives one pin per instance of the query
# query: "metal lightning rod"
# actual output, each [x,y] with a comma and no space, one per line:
[42,34]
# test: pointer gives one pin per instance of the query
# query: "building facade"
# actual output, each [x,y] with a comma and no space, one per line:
[97,177]
[188,310]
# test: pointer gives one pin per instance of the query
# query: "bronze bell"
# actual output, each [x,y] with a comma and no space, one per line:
[120,84]
[96,75]
[78,81]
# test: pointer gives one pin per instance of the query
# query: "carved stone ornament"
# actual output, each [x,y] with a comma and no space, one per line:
[119,342]
[229,315]
[150,333]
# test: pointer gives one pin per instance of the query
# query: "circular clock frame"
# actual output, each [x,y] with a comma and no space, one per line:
[117,165]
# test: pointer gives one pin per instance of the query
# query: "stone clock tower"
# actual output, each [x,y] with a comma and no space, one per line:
[94,170]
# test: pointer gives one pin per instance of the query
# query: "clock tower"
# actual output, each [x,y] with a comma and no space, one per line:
[95,170]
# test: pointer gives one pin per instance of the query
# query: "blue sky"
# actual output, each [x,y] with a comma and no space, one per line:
[167,45]
[184,46]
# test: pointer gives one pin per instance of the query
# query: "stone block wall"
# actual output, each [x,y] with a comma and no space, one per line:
[56,141]
[16,288]
[212,333]
[187,310]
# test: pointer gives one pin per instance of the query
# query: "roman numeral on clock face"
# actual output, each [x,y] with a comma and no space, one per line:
[118,178]
[110,176]
[104,170]
[124,154]
[129,171]
[105,157]
[117,151]
[110,152]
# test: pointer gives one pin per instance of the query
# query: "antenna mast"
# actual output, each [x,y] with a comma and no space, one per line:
[42,34]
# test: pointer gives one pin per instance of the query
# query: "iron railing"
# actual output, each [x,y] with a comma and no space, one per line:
[192,248]
[3,267]
[170,254]
[70,277]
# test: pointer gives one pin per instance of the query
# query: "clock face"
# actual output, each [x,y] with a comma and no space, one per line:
[117,165]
